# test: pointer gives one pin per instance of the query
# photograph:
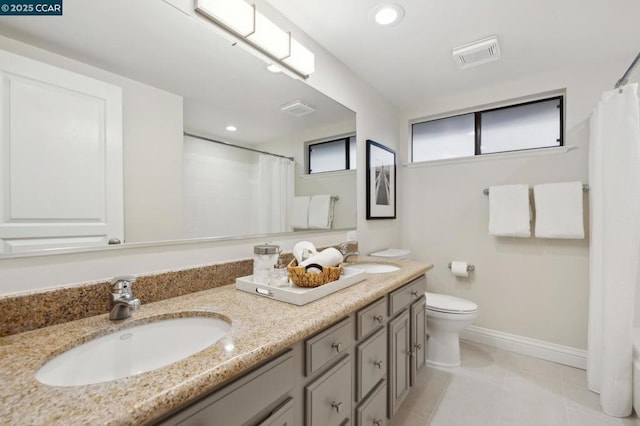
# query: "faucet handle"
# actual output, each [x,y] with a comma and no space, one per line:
[122,284]
[343,247]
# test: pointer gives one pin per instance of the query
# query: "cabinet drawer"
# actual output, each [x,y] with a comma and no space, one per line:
[410,292]
[373,411]
[371,358]
[371,318]
[256,392]
[282,416]
[328,398]
[328,345]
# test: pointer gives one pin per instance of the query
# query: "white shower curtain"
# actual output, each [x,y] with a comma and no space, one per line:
[276,188]
[614,177]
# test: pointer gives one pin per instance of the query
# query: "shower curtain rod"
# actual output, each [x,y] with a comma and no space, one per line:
[236,146]
[625,76]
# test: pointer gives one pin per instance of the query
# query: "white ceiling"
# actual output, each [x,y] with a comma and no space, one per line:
[152,41]
[411,62]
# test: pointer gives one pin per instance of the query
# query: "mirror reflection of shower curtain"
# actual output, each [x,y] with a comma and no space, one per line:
[614,179]
[276,188]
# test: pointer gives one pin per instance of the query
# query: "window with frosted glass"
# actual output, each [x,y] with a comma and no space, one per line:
[451,137]
[532,125]
[524,126]
[331,156]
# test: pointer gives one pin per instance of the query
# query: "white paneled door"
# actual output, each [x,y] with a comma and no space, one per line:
[61,156]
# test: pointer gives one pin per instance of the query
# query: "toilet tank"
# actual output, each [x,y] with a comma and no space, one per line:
[392,253]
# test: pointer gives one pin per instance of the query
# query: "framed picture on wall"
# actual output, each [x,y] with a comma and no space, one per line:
[381,181]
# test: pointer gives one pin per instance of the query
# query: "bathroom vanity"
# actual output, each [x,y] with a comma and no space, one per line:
[357,371]
[349,358]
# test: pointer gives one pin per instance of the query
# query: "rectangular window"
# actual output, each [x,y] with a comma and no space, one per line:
[529,125]
[332,155]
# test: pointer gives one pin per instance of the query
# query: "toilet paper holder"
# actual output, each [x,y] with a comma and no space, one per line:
[469,267]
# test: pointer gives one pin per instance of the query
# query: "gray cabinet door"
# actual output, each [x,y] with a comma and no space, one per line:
[328,398]
[399,360]
[371,357]
[418,337]
[257,392]
[372,411]
[281,416]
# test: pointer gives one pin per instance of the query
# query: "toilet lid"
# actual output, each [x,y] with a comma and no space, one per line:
[445,303]
[392,253]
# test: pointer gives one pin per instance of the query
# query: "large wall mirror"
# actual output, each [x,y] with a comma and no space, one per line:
[95,106]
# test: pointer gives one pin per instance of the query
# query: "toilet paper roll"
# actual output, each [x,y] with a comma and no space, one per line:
[303,250]
[459,269]
[327,257]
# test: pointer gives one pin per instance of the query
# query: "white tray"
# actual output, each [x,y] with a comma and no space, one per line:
[300,295]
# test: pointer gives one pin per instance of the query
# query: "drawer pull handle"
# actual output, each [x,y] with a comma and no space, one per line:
[414,293]
[377,422]
[336,405]
[337,346]
[378,364]
[410,353]
[418,346]
[378,319]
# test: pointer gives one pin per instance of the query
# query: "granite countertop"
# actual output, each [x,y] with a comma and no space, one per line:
[260,328]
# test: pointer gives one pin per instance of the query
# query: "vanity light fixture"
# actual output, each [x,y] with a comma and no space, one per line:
[231,128]
[264,38]
[387,15]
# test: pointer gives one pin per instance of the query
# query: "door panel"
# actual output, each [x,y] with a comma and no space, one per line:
[61,156]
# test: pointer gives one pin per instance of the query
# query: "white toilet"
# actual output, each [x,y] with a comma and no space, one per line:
[446,317]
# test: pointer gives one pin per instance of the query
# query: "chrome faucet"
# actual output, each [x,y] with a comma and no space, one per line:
[344,249]
[122,301]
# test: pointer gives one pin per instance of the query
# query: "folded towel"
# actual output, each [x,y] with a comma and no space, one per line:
[300,213]
[559,210]
[327,257]
[320,212]
[509,214]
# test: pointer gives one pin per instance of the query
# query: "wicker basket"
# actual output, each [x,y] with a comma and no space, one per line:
[300,277]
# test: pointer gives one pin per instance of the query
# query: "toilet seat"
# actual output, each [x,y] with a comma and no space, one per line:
[449,304]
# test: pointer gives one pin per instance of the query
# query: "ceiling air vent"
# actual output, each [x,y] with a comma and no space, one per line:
[297,108]
[476,53]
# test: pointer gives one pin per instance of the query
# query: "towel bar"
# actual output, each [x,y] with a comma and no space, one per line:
[585,188]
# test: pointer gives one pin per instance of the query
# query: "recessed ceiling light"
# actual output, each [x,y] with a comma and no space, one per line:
[387,15]
[274,68]
[231,128]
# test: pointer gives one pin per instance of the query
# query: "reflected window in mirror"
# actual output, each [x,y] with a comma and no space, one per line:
[331,155]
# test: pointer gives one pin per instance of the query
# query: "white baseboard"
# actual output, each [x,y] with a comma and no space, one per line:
[523,345]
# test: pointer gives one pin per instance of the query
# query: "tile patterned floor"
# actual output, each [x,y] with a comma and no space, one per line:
[494,387]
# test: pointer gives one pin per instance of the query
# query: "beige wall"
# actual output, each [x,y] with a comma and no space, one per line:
[536,288]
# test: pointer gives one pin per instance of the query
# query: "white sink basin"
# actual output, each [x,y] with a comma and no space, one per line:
[374,268]
[132,351]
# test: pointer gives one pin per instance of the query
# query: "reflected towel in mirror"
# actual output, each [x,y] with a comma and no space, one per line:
[300,214]
[321,212]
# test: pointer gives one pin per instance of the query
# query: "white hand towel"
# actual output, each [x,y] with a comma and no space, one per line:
[559,210]
[320,212]
[509,214]
[300,214]
[327,257]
